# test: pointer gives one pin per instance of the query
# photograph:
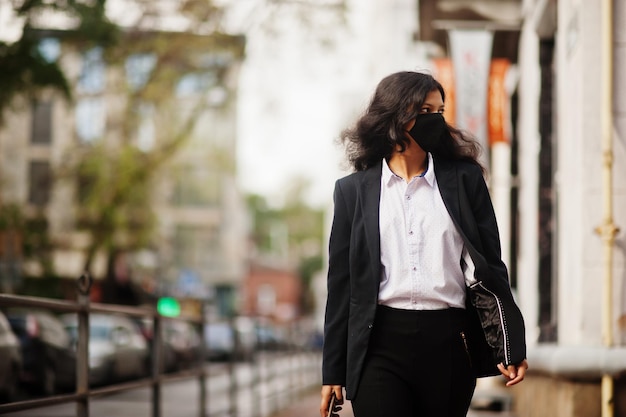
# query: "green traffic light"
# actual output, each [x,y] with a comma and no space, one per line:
[168,306]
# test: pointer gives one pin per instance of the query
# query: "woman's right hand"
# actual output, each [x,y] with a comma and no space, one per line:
[326,391]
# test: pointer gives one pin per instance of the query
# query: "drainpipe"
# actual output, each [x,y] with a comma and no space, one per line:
[607,230]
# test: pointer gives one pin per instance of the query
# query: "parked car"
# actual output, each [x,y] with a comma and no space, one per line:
[117,349]
[270,338]
[49,361]
[10,361]
[230,340]
[220,341]
[168,355]
[184,341]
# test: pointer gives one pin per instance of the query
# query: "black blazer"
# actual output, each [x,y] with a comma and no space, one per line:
[354,273]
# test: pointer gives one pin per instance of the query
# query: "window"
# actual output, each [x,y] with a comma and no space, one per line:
[266,299]
[41,128]
[39,183]
[92,77]
[196,187]
[50,49]
[194,246]
[138,69]
[90,119]
[195,83]
[197,248]
[90,109]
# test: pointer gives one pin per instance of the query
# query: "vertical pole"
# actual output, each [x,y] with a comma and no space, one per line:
[607,396]
[271,367]
[255,381]
[232,369]
[203,375]
[82,346]
[157,362]
[607,230]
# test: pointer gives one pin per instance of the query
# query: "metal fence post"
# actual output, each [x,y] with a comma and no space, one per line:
[82,348]
[271,368]
[204,351]
[157,355]
[232,369]
[255,391]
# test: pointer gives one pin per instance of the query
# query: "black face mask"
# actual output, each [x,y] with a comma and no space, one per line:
[428,130]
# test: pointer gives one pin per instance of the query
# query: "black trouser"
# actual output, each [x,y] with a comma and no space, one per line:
[417,365]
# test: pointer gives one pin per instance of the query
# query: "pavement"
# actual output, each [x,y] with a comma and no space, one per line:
[309,406]
[309,403]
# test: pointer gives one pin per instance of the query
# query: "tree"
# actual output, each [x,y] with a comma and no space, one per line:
[114,173]
[25,68]
[144,68]
[116,182]
[26,71]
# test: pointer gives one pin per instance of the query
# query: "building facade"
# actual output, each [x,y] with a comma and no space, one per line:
[567,61]
[185,126]
[568,277]
[548,180]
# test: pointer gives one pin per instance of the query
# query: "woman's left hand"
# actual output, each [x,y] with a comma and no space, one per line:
[514,373]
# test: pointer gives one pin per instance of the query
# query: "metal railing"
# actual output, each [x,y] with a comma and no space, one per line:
[301,371]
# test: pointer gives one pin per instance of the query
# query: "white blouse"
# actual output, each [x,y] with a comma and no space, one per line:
[422,254]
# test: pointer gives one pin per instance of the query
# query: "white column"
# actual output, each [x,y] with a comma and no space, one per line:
[579,179]
[529,142]
[501,194]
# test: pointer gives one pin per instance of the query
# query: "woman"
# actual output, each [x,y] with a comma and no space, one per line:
[413,230]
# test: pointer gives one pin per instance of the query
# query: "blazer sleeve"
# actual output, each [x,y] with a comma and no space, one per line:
[485,217]
[337,304]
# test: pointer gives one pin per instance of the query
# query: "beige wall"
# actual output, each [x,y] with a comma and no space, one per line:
[551,396]
[579,266]
[580,190]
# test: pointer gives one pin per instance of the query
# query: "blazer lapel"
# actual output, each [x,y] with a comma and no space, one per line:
[449,189]
[448,184]
[370,204]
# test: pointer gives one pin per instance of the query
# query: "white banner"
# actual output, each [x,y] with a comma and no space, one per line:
[470,51]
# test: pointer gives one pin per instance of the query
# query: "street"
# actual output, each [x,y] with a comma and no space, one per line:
[277,385]
[258,388]
[180,399]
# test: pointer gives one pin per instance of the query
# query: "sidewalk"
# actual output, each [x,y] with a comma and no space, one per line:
[309,404]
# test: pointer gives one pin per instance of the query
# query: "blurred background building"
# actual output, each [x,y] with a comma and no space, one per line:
[529,78]
[134,174]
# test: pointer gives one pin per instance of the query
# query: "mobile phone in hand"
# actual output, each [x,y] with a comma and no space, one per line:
[332,404]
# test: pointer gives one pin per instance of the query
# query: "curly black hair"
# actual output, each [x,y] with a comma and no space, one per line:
[397,100]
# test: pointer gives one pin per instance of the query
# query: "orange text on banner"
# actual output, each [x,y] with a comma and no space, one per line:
[498,102]
[444,73]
